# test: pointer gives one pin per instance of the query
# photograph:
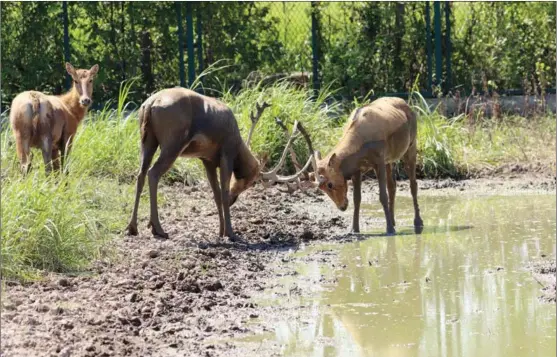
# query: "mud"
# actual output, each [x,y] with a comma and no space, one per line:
[544,272]
[177,297]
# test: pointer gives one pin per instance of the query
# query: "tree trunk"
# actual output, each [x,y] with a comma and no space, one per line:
[146,45]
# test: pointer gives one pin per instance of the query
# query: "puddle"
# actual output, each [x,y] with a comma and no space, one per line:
[458,289]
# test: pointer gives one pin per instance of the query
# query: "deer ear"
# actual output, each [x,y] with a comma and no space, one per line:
[94,70]
[332,160]
[70,69]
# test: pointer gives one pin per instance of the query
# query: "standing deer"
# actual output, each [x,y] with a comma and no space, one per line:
[50,122]
[184,123]
[377,135]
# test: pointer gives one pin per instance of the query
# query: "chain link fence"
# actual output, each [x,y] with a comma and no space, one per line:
[358,48]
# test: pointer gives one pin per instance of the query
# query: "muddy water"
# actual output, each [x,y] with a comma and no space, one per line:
[458,289]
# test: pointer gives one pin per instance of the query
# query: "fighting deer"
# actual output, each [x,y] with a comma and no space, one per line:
[50,122]
[376,136]
[184,123]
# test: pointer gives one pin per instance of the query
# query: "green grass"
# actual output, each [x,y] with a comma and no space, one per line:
[62,223]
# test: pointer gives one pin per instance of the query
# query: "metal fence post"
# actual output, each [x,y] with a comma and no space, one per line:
[199,40]
[448,45]
[189,40]
[66,41]
[315,46]
[428,47]
[438,54]
[180,43]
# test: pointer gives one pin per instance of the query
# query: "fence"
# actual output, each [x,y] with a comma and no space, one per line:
[360,47]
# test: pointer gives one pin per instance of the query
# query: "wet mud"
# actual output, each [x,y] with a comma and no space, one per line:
[186,295]
[544,272]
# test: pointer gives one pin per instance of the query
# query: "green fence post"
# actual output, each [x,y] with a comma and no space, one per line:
[438,54]
[189,40]
[448,45]
[199,40]
[315,46]
[428,47]
[180,43]
[66,41]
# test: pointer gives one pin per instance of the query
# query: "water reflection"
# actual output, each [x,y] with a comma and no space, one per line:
[458,289]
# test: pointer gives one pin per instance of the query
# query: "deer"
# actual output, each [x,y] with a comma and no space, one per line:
[376,136]
[49,122]
[184,123]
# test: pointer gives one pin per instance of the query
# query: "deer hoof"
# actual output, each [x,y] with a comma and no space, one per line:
[391,231]
[234,238]
[132,230]
[157,233]
[161,234]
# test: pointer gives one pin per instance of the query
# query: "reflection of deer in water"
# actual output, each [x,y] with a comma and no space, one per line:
[395,327]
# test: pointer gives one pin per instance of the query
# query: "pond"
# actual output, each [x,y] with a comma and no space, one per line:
[461,288]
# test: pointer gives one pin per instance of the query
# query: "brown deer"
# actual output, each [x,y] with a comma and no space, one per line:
[184,123]
[50,122]
[377,135]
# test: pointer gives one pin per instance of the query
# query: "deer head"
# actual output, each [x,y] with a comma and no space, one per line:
[83,82]
[329,178]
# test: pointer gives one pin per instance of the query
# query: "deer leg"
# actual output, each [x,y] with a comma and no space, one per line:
[62,148]
[148,149]
[211,171]
[391,189]
[163,163]
[357,183]
[410,168]
[55,159]
[382,179]
[23,149]
[225,174]
[46,148]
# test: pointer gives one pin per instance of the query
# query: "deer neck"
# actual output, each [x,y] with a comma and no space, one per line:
[348,152]
[71,101]
[246,165]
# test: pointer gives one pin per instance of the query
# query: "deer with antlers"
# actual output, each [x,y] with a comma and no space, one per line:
[184,123]
[50,122]
[376,136]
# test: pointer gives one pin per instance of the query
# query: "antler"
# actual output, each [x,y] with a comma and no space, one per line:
[297,165]
[272,175]
[255,118]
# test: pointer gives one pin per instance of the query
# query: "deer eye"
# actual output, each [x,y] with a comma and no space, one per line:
[90,81]
[330,186]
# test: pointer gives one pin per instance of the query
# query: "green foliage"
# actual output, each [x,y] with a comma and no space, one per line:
[363,46]
[437,137]
[504,45]
[56,224]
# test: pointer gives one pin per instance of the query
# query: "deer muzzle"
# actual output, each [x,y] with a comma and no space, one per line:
[344,206]
[85,101]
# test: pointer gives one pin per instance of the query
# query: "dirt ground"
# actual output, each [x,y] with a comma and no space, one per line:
[174,297]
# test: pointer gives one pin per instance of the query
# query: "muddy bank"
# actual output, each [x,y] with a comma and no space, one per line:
[544,272]
[178,296]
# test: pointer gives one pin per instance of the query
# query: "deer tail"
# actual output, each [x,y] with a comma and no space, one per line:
[36,116]
[144,120]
